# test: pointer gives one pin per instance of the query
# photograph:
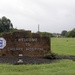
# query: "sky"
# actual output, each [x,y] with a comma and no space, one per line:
[51,15]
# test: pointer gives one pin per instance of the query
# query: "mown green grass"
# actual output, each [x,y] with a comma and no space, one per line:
[63,46]
[64,67]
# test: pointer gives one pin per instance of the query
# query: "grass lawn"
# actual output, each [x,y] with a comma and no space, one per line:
[64,67]
[63,46]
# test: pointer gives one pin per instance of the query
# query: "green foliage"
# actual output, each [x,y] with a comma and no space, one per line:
[1,34]
[63,33]
[45,34]
[64,67]
[63,46]
[5,24]
[50,55]
[71,33]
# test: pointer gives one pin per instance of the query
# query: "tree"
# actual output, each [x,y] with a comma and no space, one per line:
[63,33]
[71,33]
[5,24]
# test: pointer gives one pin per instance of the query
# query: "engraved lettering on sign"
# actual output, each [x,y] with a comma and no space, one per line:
[15,48]
[34,49]
[27,44]
[27,39]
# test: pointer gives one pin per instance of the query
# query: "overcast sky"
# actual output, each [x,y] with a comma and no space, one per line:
[51,15]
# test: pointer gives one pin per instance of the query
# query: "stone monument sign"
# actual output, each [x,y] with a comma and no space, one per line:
[24,44]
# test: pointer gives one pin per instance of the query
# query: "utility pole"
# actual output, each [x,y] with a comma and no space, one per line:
[38,28]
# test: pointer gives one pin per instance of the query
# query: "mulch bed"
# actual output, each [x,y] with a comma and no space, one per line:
[33,60]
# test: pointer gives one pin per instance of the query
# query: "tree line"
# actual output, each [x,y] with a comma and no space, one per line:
[71,33]
[7,26]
